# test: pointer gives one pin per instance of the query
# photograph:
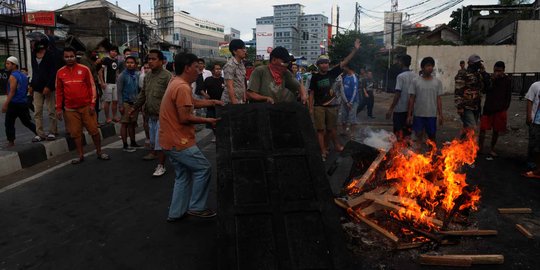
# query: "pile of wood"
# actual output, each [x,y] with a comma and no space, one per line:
[368,202]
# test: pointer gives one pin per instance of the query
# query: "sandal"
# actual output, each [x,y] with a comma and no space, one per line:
[103,156]
[77,161]
[531,174]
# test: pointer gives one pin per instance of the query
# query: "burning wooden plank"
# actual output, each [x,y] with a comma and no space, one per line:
[373,225]
[515,210]
[341,203]
[360,182]
[361,199]
[403,246]
[470,233]
[524,231]
[397,208]
[461,260]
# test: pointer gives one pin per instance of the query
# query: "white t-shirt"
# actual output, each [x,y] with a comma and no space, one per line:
[534,95]
[403,84]
[426,92]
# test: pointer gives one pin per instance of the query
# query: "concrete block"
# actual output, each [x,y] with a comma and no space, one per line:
[9,163]
[108,131]
[55,148]
[30,154]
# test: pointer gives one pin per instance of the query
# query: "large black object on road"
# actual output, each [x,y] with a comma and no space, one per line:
[275,205]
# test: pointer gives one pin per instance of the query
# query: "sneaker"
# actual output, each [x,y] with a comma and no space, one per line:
[37,139]
[51,137]
[160,170]
[135,145]
[207,213]
[150,156]
[129,149]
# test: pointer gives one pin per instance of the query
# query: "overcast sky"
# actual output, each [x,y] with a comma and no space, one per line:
[241,14]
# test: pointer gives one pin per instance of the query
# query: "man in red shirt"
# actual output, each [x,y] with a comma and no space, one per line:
[177,138]
[76,99]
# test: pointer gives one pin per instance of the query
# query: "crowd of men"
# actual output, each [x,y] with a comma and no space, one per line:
[169,102]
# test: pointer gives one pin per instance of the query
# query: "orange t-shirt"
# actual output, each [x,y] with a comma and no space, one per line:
[172,133]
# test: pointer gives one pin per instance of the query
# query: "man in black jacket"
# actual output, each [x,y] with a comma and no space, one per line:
[42,88]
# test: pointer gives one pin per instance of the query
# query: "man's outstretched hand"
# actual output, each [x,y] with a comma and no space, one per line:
[357,44]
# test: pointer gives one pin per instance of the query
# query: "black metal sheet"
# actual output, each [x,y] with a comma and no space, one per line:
[275,205]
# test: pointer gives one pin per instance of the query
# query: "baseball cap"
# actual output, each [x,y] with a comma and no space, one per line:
[323,59]
[13,60]
[474,59]
[281,53]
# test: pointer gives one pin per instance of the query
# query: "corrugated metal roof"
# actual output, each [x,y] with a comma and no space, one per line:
[119,12]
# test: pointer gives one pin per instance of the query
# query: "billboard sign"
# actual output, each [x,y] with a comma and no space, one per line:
[41,18]
[265,40]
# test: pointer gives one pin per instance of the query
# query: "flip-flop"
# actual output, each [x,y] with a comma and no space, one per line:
[530,174]
[77,161]
[103,156]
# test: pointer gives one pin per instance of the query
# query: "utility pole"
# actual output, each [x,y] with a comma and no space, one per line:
[356,18]
[461,25]
[337,21]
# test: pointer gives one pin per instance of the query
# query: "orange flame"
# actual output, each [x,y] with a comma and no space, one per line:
[429,182]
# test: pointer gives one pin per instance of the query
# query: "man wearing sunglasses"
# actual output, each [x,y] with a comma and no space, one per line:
[274,82]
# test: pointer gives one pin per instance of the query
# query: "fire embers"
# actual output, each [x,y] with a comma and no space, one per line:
[430,188]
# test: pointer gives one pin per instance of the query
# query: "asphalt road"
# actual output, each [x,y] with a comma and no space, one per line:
[111,215]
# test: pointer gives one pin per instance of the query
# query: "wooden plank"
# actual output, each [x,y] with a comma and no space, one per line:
[403,246]
[470,233]
[389,198]
[461,260]
[373,225]
[341,203]
[524,231]
[397,208]
[515,211]
[361,199]
[370,209]
[360,182]
[482,258]
[445,261]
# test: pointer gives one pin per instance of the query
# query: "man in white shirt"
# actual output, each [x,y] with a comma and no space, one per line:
[533,121]
[398,108]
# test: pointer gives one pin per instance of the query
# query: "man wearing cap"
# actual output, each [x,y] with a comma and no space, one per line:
[234,73]
[274,82]
[469,85]
[323,99]
[16,105]
[42,89]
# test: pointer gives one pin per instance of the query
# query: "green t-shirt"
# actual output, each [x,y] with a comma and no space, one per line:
[262,83]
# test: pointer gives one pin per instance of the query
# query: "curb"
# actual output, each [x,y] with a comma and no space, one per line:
[26,155]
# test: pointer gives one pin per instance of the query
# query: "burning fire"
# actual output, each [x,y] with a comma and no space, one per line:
[429,182]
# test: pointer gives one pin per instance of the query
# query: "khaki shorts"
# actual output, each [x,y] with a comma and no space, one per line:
[325,117]
[126,119]
[110,94]
[76,119]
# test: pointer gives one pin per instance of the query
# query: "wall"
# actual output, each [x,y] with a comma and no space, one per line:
[522,57]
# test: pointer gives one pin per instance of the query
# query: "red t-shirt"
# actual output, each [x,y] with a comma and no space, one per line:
[75,87]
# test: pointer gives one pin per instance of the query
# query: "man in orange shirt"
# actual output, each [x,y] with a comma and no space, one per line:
[177,139]
[76,100]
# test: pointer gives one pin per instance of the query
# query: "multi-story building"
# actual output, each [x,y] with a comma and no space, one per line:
[303,35]
[198,36]
[233,34]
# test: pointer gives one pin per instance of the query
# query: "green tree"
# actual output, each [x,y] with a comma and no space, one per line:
[342,45]
[251,53]
[513,2]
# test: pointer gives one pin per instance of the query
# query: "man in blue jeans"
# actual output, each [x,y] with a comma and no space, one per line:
[177,138]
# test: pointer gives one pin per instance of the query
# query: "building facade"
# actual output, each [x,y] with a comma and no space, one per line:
[302,35]
[233,34]
[194,35]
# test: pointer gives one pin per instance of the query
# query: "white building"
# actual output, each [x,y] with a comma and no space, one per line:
[198,36]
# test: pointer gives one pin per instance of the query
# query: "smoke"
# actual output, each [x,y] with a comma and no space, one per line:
[380,139]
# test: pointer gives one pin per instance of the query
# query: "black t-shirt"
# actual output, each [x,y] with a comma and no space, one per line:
[322,84]
[199,85]
[111,67]
[214,87]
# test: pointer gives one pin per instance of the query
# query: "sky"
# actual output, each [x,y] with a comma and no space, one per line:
[241,15]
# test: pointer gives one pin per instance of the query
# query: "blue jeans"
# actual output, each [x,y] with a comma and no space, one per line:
[153,130]
[193,174]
